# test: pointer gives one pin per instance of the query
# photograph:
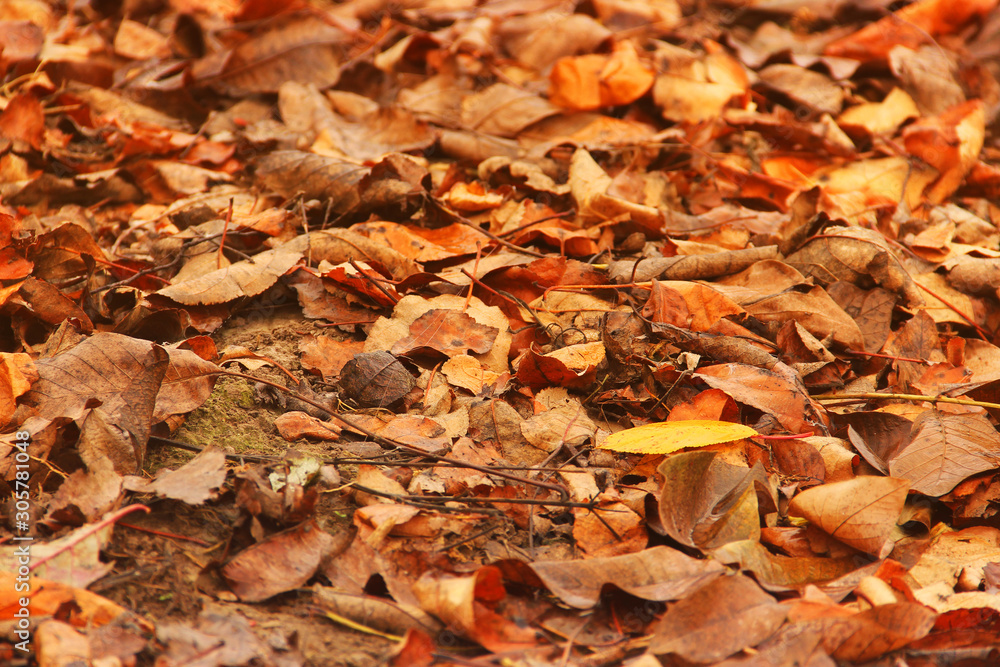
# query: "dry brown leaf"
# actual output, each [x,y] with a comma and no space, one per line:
[912,25]
[589,185]
[952,551]
[782,573]
[771,391]
[724,616]
[860,512]
[658,573]
[594,81]
[689,267]
[291,173]
[466,372]
[91,609]
[194,483]
[878,436]
[687,305]
[930,75]
[503,110]
[881,117]
[851,255]
[573,366]
[326,355]
[17,372]
[89,494]
[104,367]
[815,311]
[448,332]
[944,449]
[294,47]
[375,379]
[815,91]
[282,562]
[294,424]
[461,602]
[242,279]
[539,38]
[696,88]
[620,530]
[873,632]
[950,143]
[871,311]
[386,332]
[706,503]
[373,612]
[565,424]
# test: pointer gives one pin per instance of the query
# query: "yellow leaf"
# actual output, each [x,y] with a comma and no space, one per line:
[668,437]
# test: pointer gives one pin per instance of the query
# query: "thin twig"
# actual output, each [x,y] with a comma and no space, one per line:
[907,397]
[505,243]
[392,297]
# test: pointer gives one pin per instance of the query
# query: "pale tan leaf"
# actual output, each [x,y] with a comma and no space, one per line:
[242,279]
[945,449]
[860,512]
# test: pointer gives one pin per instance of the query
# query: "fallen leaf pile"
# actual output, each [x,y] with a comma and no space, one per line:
[524,332]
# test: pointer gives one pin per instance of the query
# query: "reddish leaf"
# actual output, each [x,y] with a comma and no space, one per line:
[283,562]
[446,331]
